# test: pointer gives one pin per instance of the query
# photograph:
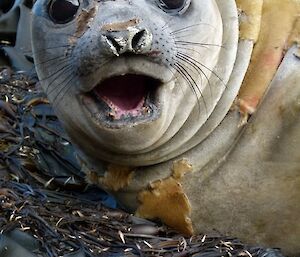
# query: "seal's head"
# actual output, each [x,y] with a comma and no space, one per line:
[126,76]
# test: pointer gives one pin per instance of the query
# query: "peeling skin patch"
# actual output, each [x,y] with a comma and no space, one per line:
[269,50]
[120,26]
[180,168]
[115,178]
[250,18]
[166,200]
[83,20]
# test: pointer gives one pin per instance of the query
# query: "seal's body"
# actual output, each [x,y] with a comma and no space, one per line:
[148,90]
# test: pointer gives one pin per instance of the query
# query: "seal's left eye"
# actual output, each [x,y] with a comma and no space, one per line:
[63,11]
[172,6]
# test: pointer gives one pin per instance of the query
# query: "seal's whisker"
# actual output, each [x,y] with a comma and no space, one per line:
[191,69]
[65,69]
[69,68]
[189,57]
[186,79]
[58,100]
[184,76]
[192,84]
[64,89]
[186,48]
[188,34]
[32,72]
[197,68]
[175,76]
[204,66]
[68,72]
[51,89]
[182,42]
[63,61]
[62,65]
[60,57]
[183,64]
[189,27]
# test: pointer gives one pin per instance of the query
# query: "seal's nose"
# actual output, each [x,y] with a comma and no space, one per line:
[128,40]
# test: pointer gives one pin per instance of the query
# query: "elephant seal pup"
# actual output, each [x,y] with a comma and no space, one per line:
[147,91]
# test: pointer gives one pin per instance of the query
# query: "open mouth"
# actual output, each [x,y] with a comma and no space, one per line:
[126,98]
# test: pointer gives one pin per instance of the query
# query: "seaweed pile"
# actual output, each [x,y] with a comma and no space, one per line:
[47,209]
[62,223]
[33,145]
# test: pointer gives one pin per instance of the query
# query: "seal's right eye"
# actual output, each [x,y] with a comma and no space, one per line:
[63,11]
[174,6]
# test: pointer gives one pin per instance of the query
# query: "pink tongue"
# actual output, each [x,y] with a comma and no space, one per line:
[126,92]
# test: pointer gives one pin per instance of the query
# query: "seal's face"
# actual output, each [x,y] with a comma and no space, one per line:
[126,76]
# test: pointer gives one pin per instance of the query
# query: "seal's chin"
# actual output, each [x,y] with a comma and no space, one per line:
[124,99]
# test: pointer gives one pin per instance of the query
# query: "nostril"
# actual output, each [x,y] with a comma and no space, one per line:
[114,43]
[137,39]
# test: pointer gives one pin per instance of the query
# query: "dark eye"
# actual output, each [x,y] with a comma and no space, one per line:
[63,11]
[174,6]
